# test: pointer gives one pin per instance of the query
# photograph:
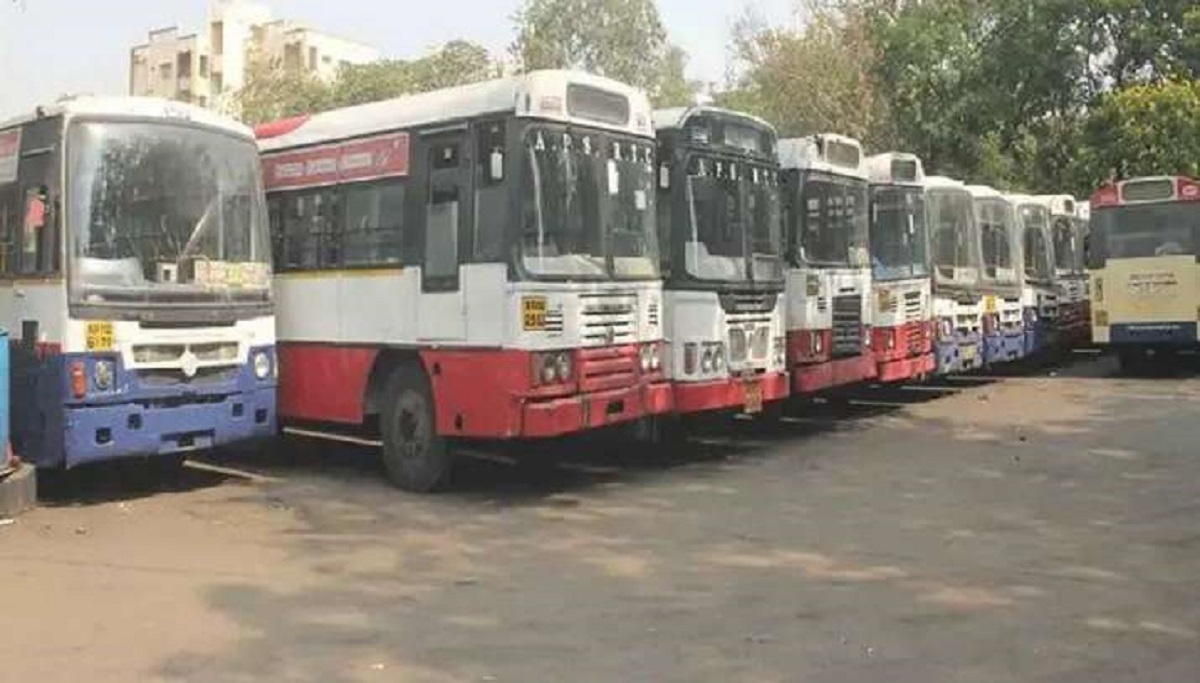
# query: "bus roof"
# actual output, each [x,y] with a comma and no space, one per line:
[1019,200]
[678,117]
[538,94]
[985,192]
[882,168]
[1151,189]
[816,152]
[143,107]
[936,182]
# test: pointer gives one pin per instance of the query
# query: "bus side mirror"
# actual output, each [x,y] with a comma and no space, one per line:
[496,166]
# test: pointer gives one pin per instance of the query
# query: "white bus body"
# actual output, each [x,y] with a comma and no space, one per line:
[1000,283]
[718,211]
[828,272]
[955,255]
[477,262]
[1039,288]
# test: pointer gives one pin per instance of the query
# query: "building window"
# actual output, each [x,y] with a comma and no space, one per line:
[312,58]
[203,66]
[164,71]
[217,38]
[218,83]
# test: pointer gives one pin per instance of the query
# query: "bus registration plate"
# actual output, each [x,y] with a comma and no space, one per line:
[753,397]
[100,336]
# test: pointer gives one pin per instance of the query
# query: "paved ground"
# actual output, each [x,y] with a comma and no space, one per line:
[1031,529]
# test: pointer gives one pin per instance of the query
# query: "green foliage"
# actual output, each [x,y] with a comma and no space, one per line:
[818,79]
[622,39]
[272,92]
[1151,129]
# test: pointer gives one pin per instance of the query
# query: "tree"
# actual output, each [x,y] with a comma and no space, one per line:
[272,92]
[622,39]
[820,78]
[456,63]
[1149,129]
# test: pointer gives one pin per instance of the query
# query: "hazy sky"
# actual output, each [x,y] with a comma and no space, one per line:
[50,47]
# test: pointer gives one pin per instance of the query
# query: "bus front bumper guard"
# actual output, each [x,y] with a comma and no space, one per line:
[570,414]
[961,353]
[730,394]
[808,379]
[118,430]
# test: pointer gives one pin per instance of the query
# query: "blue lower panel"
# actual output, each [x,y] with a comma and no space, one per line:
[1004,347]
[94,433]
[961,354]
[1040,336]
[1171,334]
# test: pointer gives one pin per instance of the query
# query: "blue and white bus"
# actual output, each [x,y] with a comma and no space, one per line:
[135,281]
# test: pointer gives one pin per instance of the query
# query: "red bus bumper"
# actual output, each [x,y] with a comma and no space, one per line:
[560,416]
[808,379]
[696,397]
[904,351]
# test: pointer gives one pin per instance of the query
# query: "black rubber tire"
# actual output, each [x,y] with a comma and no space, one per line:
[1131,361]
[415,458]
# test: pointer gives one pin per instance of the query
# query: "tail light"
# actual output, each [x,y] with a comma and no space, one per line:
[78,379]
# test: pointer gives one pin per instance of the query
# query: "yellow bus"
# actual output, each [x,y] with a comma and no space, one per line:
[1144,269]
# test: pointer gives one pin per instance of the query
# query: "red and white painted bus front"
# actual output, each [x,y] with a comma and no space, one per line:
[901,284]
[477,262]
[828,276]
[718,220]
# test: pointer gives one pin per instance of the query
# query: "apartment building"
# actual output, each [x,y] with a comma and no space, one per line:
[209,66]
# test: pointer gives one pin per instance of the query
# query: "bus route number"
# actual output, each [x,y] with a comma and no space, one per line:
[100,336]
[533,313]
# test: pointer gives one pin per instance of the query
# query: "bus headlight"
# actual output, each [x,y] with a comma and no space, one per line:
[719,356]
[691,354]
[102,375]
[946,328]
[554,367]
[708,360]
[262,365]
[562,364]
[655,357]
[780,348]
[646,354]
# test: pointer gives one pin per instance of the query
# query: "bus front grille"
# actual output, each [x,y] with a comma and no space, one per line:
[847,325]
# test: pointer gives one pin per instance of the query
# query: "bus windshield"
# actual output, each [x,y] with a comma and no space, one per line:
[950,223]
[1067,247]
[1035,220]
[997,230]
[898,233]
[1144,230]
[831,222]
[165,213]
[588,206]
[733,219]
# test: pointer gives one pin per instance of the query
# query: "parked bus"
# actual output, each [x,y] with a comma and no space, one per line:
[901,285]
[719,227]
[829,275]
[1039,288]
[134,281]
[1143,256]
[956,257]
[479,262]
[1067,232]
[999,279]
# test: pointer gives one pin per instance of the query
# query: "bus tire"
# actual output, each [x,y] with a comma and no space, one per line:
[415,457]
[1131,361]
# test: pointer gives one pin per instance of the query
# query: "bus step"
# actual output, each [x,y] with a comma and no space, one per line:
[333,436]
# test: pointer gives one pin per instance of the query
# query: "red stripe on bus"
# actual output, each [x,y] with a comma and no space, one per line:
[382,156]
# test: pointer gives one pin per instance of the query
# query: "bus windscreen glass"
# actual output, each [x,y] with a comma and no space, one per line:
[163,212]
[733,213]
[588,206]
[997,228]
[832,222]
[898,232]
[1035,222]
[950,224]
[1146,230]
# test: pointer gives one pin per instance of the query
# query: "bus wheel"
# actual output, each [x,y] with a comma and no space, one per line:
[415,457]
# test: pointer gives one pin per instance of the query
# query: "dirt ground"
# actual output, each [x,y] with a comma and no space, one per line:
[1041,528]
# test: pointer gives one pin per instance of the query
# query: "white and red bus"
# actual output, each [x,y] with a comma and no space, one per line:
[479,262]
[825,211]
[718,222]
[901,283]
[1067,233]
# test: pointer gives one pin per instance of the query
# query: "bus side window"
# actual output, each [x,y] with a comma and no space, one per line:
[491,191]
[373,224]
[33,232]
[443,213]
